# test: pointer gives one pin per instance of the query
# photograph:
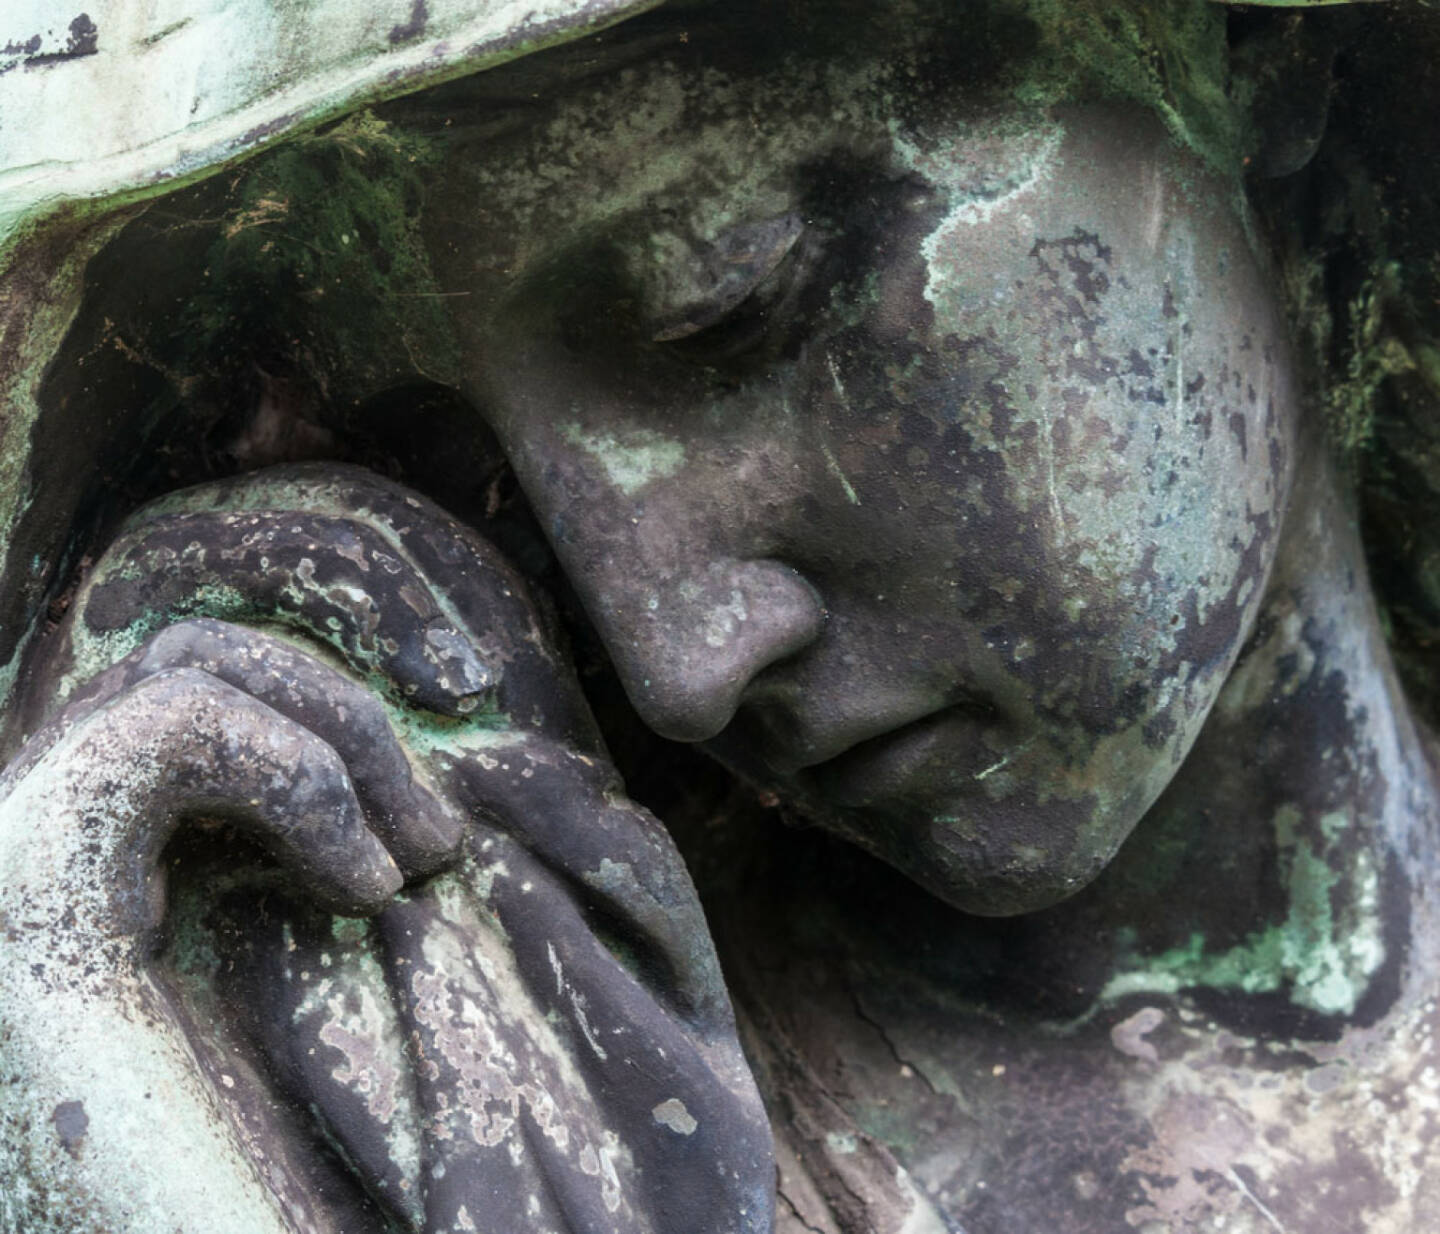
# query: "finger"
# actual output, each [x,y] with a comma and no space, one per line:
[482,592]
[318,1005]
[331,576]
[506,990]
[570,811]
[81,834]
[539,691]
[420,830]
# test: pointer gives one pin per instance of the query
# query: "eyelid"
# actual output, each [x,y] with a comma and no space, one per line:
[734,266]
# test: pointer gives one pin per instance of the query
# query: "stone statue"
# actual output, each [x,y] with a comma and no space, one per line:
[914,426]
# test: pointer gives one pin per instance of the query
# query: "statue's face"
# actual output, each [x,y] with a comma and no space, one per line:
[921,455]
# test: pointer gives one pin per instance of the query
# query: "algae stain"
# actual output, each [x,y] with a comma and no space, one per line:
[631,459]
[1324,961]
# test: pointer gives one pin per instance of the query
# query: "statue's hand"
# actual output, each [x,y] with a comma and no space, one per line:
[561,977]
[420,831]
[446,634]
[108,1118]
[416,603]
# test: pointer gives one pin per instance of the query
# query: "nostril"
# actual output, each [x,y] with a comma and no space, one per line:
[697,643]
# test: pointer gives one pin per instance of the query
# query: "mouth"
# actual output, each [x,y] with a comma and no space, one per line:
[933,756]
[913,757]
[946,797]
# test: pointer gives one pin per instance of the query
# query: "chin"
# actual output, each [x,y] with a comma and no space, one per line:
[996,895]
[983,871]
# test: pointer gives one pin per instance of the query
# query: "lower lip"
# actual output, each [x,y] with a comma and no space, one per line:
[933,756]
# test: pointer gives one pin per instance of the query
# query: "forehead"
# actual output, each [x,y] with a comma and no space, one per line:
[707,120]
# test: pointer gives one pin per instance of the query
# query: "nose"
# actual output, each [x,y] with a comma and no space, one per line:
[687,646]
[667,540]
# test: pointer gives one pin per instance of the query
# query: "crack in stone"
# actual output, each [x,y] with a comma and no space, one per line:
[794,1209]
[890,1045]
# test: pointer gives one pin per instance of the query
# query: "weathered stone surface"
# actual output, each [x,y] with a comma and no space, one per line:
[968,424]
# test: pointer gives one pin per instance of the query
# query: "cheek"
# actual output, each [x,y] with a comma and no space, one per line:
[1114,379]
[1115,468]
[1099,543]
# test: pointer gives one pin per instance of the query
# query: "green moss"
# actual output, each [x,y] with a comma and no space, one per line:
[426,733]
[32,326]
[319,253]
[1373,355]
[1169,55]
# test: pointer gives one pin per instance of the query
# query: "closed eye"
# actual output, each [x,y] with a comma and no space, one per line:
[741,277]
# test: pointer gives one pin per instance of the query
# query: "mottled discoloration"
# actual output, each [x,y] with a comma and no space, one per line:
[931,532]
[415,27]
[1235,1023]
[71,1124]
[329,576]
[922,442]
[82,38]
[672,1113]
[84,1019]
